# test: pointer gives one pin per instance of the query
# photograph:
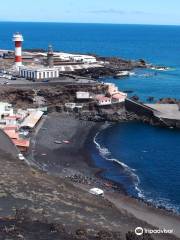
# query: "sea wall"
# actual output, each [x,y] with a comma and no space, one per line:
[150,115]
[175,123]
[138,108]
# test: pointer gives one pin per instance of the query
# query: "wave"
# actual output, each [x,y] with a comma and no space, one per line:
[163,203]
[159,203]
[106,154]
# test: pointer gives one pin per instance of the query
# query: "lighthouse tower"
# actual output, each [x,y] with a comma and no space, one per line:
[50,57]
[18,39]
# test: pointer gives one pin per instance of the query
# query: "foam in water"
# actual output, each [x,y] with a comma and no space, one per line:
[106,154]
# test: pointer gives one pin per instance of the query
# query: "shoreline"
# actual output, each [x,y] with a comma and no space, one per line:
[119,186]
[73,161]
[114,194]
[90,138]
[77,164]
[60,193]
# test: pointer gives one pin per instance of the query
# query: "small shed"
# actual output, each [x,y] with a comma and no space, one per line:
[83,95]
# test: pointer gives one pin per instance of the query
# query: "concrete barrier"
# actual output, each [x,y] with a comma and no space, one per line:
[158,117]
[139,109]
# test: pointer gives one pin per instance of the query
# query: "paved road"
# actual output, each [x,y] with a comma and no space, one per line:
[62,80]
[167,111]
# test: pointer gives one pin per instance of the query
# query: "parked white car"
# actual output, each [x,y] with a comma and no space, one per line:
[97,192]
[21,157]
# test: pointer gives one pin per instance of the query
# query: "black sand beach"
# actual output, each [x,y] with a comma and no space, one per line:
[71,161]
[57,202]
[31,199]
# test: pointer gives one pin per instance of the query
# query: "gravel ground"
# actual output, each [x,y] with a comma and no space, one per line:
[55,200]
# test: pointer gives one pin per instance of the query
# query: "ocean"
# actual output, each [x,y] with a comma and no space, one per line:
[144,159]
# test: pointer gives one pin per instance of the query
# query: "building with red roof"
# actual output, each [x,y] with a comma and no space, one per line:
[22,144]
[12,134]
[103,101]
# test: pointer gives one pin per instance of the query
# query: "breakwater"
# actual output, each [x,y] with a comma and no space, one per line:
[154,115]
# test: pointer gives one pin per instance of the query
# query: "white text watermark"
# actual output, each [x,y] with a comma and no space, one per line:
[140,231]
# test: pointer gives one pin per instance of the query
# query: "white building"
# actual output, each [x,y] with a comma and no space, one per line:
[83,95]
[5,110]
[39,73]
[103,101]
[83,58]
[11,120]
[112,88]
[119,97]
[75,57]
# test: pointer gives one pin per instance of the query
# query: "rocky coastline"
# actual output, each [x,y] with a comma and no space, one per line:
[51,197]
[55,190]
[83,173]
[111,67]
[55,98]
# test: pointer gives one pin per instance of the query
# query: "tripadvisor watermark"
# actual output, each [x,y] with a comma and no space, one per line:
[140,231]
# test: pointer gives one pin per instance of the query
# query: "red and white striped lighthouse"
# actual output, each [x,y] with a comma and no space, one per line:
[18,39]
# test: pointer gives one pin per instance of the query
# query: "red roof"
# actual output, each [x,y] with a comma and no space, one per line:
[119,95]
[21,142]
[12,134]
[10,127]
[102,98]
[10,117]
[18,116]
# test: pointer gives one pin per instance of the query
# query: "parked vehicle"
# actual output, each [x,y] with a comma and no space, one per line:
[21,157]
[97,192]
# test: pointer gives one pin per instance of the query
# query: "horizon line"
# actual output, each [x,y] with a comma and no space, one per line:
[100,23]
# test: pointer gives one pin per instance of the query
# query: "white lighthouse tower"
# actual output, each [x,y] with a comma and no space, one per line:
[18,39]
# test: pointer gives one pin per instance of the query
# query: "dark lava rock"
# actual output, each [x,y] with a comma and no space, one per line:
[142,61]
[81,234]
[168,101]
[135,98]
[31,230]
[150,99]
[103,235]
[128,91]
[133,236]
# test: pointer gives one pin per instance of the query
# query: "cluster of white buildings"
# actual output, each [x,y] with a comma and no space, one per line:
[76,57]
[17,124]
[42,73]
[67,63]
[69,57]
[31,65]
[113,96]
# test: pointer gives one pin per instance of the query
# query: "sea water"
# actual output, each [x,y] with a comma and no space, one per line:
[144,159]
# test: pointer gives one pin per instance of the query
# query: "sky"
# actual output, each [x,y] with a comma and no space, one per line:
[92,11]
